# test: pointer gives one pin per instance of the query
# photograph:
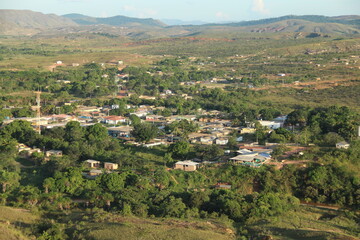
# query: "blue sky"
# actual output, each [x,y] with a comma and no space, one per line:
[204,10]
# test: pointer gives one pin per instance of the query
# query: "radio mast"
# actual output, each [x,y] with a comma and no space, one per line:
[38,112]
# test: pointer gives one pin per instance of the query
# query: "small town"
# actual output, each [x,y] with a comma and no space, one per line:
[183,120]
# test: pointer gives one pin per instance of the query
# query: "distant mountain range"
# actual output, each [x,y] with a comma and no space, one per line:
[176,22]
[19,22]
[114,21]
[25,22]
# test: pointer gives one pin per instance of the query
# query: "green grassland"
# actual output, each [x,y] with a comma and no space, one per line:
[306,222]
[16,223]
[168,229]
[309,223]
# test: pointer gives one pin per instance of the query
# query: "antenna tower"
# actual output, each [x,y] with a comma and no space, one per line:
[38,112]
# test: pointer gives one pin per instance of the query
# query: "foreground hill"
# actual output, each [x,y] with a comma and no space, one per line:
[114,21]
[18,22]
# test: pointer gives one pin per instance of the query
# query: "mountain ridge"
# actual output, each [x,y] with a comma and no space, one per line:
[26,22]
[118,20]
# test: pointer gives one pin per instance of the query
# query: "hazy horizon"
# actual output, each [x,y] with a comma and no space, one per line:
[201,10]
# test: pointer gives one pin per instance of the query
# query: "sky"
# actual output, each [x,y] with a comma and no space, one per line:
[189,10]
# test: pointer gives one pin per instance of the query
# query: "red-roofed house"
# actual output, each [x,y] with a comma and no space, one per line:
[113,119]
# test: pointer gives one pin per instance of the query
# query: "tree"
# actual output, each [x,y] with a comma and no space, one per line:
[179,149]
[8,179]
[173,207]
[134,119]
[208,152]
[144,132]
[21,131]
[183,128]
[96,133]
[113,182]
[74,132]
[331,138]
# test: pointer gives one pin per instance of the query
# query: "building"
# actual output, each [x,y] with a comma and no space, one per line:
[187,166]
[154,118]
[120,132]
[342,145]
[111,166]
[223,185]
[270,124]
[95,172]
[168,92]
[251,158]
[247,130]
[221,141]
[55,153]
[113,120]
[92,163]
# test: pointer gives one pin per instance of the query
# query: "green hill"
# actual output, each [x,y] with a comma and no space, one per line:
[114,21]
[25,21]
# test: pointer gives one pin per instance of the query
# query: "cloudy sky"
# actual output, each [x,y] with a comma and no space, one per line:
[204,10]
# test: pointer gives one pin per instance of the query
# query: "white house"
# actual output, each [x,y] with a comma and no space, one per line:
[114,119]
[342,145]
[187,165]
[221,141]
[270,124]
[92,163]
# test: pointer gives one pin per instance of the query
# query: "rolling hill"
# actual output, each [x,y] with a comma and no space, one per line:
[114,21]
[24,22]
[19,22]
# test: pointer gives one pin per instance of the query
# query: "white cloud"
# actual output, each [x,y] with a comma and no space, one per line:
[140,12]
[128,8]
[222,15]
[259,6]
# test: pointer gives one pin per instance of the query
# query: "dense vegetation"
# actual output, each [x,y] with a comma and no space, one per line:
[247,78]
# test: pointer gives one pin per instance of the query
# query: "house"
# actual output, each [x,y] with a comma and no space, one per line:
[62,118]
[95,172]
[111,166]
[181,117]
[247,130]
[121,131]
[223,185]
[92,163]
[240,139]
[23,147]
[154,118]
[113,120]
[342,145]
[55,153]
[270,124]
[87,110]
[33,150]
[168,92]
[187,166]
[149,145]
[206,140]
[221,141]
[251,158]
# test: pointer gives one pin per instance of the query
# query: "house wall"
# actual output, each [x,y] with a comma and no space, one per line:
[110,166]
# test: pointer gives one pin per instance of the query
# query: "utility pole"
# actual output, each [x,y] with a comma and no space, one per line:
[38,112]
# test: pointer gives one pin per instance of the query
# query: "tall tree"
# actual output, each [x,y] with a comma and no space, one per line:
[144,132]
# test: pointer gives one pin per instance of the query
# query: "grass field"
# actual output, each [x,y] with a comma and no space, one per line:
[169,229]
[306,222]
[309,223]
[16,224]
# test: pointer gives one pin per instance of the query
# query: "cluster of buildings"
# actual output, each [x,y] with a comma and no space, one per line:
[252,158]
[97,168]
